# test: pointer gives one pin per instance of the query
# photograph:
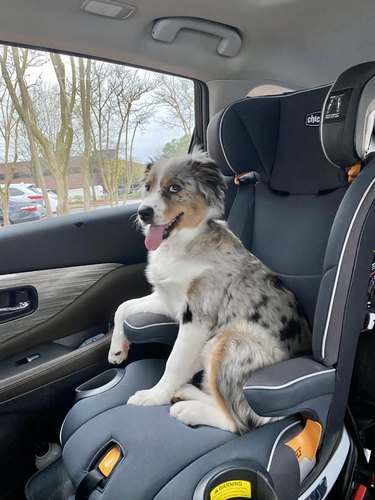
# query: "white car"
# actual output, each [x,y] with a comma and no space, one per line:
[53,200]
[23,191]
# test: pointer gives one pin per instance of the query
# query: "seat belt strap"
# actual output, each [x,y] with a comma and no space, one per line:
[243,206]
[88,484]
[100,473]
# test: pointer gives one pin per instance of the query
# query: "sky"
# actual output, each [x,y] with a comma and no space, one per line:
[150,143]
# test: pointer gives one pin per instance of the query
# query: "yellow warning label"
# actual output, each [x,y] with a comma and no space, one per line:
[231,489]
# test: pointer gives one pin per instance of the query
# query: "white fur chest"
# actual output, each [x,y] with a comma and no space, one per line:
[171,275]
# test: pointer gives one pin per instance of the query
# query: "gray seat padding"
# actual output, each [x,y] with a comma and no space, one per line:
[269,135]
[137,376]
[298,385]
[275,462]
[297,226]
[180,453]
[143,328]
[294,204]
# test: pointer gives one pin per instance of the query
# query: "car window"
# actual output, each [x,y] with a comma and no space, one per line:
[15,192]
[79,131]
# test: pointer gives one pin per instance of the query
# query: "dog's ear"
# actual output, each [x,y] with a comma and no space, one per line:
[210,182]
[148,167]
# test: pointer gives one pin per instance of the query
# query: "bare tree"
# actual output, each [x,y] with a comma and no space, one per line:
[9,126]
[136,106]
[56,152]
[176,96]
[120,109]
[19,94]
[85,108]
[101,109]
[59,155]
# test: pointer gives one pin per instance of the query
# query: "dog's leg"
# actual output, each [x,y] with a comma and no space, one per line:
[118,351]
[179,368]
[203,413]
[189,392]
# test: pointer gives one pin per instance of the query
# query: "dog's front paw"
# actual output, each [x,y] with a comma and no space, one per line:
[186,412]
[150,397]
[118,352]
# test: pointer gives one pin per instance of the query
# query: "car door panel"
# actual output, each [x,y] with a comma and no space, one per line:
[53,294]
[81,268]
[96,305]
[64,365]
[102,236]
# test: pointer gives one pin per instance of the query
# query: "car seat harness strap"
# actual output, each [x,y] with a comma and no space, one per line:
[242,203]
[99,474]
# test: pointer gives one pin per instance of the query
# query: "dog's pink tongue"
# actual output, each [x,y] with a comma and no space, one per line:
[154,237]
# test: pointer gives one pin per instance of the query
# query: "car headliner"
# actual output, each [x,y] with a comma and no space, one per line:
[300,43]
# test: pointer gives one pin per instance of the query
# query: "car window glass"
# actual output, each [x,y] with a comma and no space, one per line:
[79,131]
[15,192]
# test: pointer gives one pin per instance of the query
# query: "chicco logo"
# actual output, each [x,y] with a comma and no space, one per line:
[313,119]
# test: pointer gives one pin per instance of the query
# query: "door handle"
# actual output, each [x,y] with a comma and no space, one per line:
[17,302]
[18,308]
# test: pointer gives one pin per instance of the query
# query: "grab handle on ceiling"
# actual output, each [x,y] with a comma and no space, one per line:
[166,30]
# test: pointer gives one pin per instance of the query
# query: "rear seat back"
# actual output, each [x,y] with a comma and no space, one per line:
[293,198]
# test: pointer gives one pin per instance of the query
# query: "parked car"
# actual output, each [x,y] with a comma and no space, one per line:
[31,192]
[52,195]
[20,192]
[22,211]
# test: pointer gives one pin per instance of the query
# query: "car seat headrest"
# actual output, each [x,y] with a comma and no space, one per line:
[277,137]
[348,116]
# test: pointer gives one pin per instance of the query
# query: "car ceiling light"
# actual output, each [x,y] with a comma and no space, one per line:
[108,8]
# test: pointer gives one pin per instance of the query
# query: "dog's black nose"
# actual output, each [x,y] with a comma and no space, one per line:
[146,214]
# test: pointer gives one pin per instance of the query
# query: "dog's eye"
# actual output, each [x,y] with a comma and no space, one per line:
[173,188]
[147,187]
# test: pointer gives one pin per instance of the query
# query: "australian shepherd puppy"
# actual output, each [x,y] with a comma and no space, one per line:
[234,314]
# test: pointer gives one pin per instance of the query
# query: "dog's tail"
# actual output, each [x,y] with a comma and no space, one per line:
[236,355]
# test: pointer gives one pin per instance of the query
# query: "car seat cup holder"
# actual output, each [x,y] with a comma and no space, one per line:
[99,384]
[235,480]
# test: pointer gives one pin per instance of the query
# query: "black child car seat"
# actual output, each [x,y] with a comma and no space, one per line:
[294,210]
